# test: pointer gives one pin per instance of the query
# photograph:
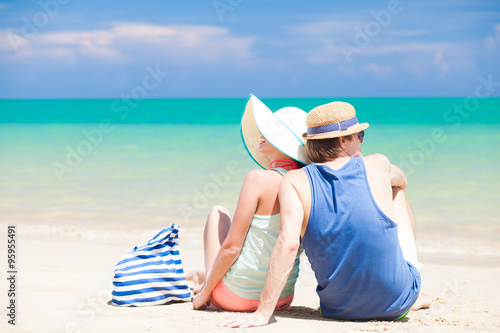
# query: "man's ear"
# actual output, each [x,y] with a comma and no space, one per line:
[342,142]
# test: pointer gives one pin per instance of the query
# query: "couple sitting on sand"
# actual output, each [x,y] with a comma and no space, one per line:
[347,211]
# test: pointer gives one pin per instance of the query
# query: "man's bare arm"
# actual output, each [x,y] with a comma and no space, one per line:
[398,178]
[285,250]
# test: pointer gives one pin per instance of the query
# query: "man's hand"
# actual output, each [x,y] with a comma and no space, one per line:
[245,320]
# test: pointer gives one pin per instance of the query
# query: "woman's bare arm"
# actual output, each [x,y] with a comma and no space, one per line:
[231,247]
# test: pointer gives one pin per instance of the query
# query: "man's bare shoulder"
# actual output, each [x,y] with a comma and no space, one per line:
[293,176]
[297,178]
[377,160]
[296,183]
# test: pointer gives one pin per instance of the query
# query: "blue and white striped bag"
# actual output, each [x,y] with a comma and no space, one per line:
[151,274]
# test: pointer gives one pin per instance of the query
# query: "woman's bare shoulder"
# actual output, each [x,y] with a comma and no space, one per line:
[260,176]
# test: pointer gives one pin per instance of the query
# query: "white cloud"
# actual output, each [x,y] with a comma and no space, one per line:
[390,52]
[407,47]
[347,70]
[414,57]
[328,54]
[416,66]
[332,39]
[6,39]
[346,30]
[442,66]
[493,41]
[123,41]
[377,69]
[323,29]
[408,33]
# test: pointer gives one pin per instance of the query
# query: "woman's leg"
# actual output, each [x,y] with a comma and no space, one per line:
[216,229]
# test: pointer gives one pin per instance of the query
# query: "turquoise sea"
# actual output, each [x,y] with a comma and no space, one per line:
[102,167]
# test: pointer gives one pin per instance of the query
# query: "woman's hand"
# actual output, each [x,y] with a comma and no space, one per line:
[201,300]
[198,288]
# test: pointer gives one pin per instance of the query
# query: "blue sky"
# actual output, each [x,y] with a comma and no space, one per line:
[230,48]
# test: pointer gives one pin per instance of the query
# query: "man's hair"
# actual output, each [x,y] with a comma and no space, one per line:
[324,150]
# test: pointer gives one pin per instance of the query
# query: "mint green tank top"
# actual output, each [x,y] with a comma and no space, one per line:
[247,275]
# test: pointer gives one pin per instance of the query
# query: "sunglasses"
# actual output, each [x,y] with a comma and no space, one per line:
[360,135]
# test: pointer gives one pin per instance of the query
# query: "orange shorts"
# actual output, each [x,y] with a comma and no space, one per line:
[225,299]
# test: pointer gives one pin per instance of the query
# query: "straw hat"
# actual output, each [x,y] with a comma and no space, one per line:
[331,121]
[282,129]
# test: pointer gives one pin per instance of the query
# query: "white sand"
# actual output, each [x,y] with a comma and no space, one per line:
[64,286]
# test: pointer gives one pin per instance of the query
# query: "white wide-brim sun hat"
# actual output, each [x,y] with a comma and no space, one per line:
[283,129]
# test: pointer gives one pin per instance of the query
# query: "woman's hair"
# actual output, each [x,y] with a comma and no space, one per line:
[323,150]
[300,165]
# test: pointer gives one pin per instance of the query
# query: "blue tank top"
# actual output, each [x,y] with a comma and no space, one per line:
[353,248]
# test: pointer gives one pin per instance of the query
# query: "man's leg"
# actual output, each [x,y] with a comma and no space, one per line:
[402,209]
[406,226]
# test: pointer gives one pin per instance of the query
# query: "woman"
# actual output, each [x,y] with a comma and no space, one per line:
[237,252]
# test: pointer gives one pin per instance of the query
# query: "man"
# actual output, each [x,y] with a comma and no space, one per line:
[343,209]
